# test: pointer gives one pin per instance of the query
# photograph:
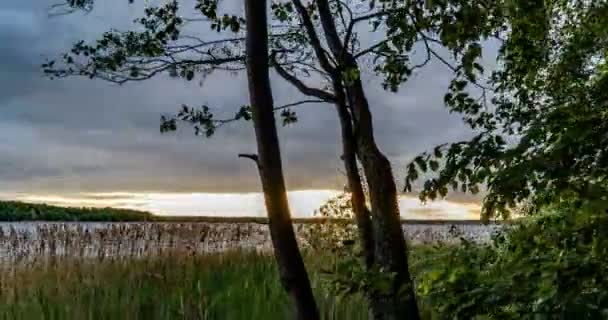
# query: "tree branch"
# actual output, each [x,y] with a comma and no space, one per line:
[303,88]
[253,157]
[122,76]
[369,16]
[205,123]
[371,48]
[293,104]
[313,37]
[331,34]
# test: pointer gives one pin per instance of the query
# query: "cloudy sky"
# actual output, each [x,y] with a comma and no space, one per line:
[80,141]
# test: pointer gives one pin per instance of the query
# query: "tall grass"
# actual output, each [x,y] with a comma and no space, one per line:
[235,285]
[159,271]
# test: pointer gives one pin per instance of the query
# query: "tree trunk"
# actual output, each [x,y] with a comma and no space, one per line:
[360,210]
[390,247]
[291,266]
[349,157]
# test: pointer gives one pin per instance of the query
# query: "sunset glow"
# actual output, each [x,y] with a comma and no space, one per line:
[303,204]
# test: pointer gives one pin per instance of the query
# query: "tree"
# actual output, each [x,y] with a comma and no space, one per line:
[131,56]
[296,52]
[291,266]
[428,24]
[549,98]
[161,28]
[389,243]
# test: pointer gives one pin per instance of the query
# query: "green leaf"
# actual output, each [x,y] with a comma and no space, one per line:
[434,165]
[421,163]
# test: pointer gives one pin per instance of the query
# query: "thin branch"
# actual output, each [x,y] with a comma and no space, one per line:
[149,72]
[253,157]
[371,48]
[303,88]
[451,67]
[313,37]
[369,16]
[427,39]
[425,62]
[221,122]
[215,124]
[311,67]
[293,104]
[341,8]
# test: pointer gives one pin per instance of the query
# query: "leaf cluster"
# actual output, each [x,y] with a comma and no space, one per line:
[543,135]
[552,266]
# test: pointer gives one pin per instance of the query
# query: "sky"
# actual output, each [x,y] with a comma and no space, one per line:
[87,142]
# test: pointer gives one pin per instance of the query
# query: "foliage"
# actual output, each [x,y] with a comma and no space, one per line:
[20,211]
[547,266]
[543,135]
[550,266]
[159,46]
[338,241]
[336,234]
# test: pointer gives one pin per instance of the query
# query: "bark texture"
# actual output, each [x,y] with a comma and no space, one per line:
[291,266]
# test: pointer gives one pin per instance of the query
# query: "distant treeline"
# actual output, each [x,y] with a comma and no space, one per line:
[22,211]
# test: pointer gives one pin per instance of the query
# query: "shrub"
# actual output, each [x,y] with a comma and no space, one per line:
[550,266]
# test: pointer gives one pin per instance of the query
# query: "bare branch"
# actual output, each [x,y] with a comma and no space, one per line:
[253,157]
[371,48]
[453,68]
[369,16]
[313,37]
[341,8]
[303,88]
[298,103]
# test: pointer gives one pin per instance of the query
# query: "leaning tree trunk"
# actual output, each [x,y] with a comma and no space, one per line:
[359,206]
[291,266]
[355,186]
[349,146]
[390,247]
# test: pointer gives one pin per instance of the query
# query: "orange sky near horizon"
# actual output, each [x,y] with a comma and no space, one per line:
[303,203]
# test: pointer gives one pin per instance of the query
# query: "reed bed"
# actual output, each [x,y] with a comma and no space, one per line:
[23,242]
[41,241]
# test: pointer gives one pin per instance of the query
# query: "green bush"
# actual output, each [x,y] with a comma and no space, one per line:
[550,266]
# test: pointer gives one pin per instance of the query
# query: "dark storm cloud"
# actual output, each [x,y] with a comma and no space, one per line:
[83,135]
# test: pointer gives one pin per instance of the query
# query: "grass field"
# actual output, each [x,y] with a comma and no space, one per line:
[233,285]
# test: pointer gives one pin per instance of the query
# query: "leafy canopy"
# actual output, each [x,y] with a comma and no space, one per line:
[162,45]
[543,136]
